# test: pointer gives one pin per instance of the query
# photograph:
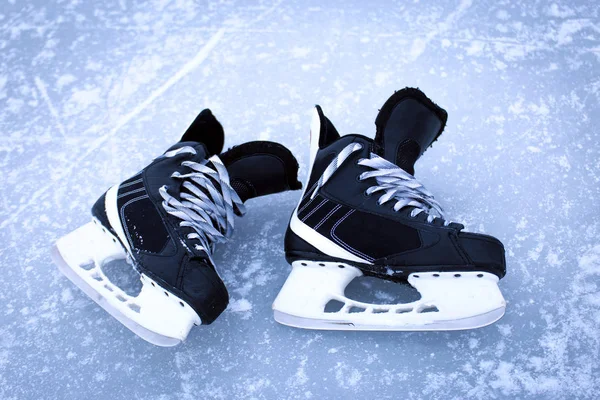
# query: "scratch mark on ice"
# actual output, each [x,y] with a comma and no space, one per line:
[262,15]
[42,88]
[186,69]
[198,59]
[420,44]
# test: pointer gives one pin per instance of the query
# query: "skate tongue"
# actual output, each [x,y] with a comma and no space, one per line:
[260,168]
[407,124]
[205,129]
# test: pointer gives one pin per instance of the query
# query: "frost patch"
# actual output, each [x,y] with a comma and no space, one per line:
[473,343]
[569,28]
[534,254]
[257,385]
[559,11]
[255,266]
[552,259]
[100,377]
[300,52]
[82,99]
[300,378]
[242,306]
[563,162]
[346,377]
[141,72]
[522,224]
[381,78]
[14,105]
[475,48]
[590,261]
[64,81]
[504,379]
[66,296]
[505,330]
[503,15]
[516,107]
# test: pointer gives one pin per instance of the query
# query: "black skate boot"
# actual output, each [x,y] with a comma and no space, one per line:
[166,220]
[364,213]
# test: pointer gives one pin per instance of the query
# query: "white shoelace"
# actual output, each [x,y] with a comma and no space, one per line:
[211,216]
[394,182]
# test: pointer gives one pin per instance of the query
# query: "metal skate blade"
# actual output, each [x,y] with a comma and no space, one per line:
[478,321]
[148,335]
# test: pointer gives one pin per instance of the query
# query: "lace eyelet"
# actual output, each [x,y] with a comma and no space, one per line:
[358,178]
[367,194]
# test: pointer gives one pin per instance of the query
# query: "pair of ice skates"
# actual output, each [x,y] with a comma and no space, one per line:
[362,213]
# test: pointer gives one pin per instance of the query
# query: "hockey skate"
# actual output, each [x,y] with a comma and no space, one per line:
[364,213]
[165,221]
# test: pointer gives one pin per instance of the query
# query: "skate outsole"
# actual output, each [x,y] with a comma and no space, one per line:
[151,292]
[479,321]
[449,301]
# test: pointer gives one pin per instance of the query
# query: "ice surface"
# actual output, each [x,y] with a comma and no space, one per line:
[90,91]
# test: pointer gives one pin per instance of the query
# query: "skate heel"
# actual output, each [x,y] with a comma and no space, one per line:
[310,286]
[89,244]
[80,256]
[449,301]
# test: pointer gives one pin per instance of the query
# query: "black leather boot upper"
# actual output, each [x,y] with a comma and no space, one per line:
[392,243]
[159,243]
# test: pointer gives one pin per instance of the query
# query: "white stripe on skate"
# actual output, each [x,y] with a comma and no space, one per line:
[112,212]
[315,135]
[311,236]
[319,241]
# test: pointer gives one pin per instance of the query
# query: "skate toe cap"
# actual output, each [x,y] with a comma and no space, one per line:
[205,290]
[485,251]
